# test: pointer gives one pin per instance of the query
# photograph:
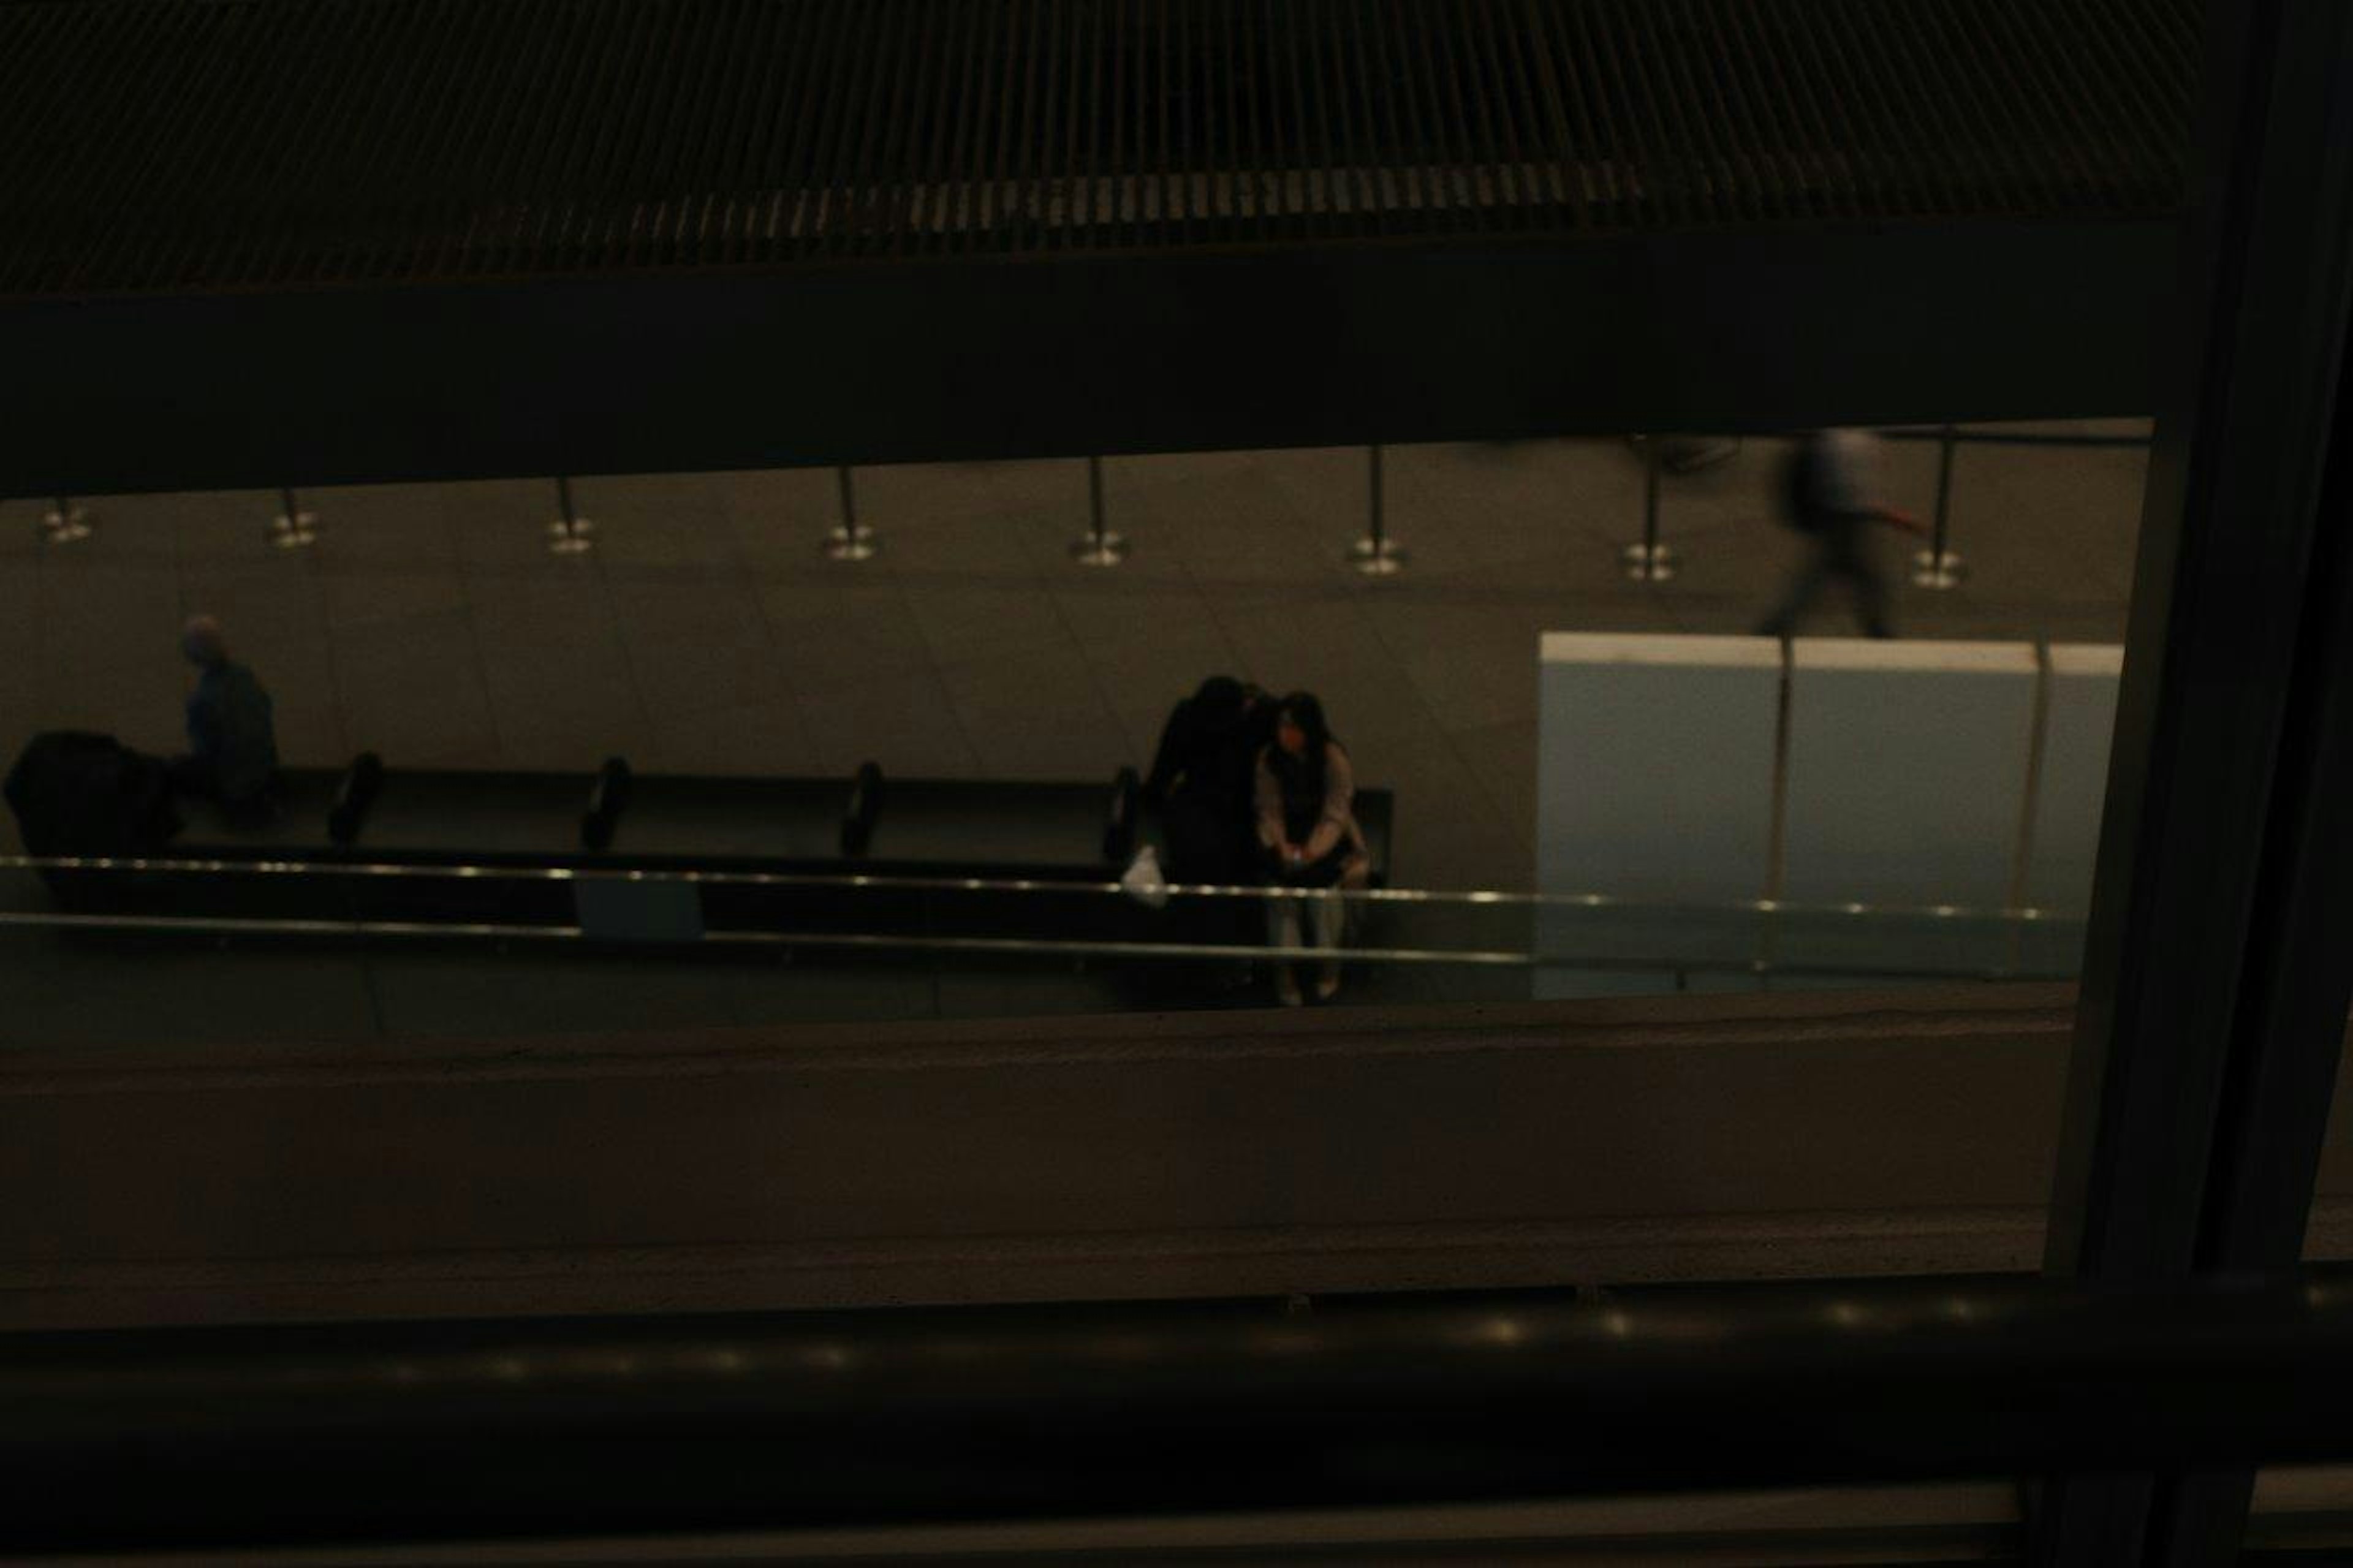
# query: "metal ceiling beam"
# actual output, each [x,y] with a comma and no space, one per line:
[1264,347]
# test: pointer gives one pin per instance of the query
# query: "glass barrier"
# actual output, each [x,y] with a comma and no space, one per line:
[1557,944]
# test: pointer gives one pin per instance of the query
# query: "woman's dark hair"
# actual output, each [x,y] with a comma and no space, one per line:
[1303,709]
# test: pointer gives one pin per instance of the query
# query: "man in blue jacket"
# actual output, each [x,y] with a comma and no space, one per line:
[232,737]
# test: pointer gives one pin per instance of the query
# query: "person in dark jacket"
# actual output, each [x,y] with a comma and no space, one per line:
[1201,780]
[1306,794]
[232,733]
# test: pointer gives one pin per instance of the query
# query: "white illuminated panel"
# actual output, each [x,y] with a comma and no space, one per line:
[1907,780]
[1907,771]
[1654,780]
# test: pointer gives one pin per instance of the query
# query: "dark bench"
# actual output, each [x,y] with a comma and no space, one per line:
[783,849]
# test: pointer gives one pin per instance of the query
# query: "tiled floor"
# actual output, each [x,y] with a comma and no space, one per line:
[708,633]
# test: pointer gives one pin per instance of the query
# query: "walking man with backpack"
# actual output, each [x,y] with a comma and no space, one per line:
[1826,495]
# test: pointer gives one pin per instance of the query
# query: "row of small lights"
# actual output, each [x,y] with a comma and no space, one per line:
[1375,555]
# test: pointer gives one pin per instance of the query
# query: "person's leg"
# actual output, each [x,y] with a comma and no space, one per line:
[1803,589]
[1283,931]
[1332,924]
[1872,602]
[1331,911]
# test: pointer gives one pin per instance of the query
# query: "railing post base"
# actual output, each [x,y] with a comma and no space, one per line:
[849,539]
[64,522]
[1650,562]
[570,533]
[1940,569]
[854,541]
[292,528]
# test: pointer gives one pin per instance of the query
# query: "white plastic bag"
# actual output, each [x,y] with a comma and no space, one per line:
[1143,881]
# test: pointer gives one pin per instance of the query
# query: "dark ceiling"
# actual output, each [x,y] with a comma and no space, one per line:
[215,143]
[302,241]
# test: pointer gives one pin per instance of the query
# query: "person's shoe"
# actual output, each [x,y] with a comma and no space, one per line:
[1327,982]
[1286,989]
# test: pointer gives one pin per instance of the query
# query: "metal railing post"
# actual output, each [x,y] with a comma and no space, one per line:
[1650,561]
[292,528]
[1938,566]
[64,522]
[1377,554]
[849,539]
[1100,546]
[570,533]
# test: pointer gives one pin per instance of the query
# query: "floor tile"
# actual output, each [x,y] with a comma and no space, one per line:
[387,553]
[261,604]
[555,670]
[413,690]
[1037,718]
[779,521]
[1110,615]
[905,722]
[1470,665]
[1467,505]
[924,494]
[142,706]
[306,704]
[227,527]
[987,623]
[1501,759]
[694,646]
[96,614]
[20,530]
[503,522]
[658,520]
[1300,638]
[850,631]
[402,527]
[770,738]
[20,618]
[364,595]
[1141,680]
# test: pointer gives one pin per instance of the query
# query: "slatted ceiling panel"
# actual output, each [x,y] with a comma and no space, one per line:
[175,144]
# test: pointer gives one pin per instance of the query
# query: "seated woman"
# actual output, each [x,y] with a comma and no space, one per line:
[1307,825]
